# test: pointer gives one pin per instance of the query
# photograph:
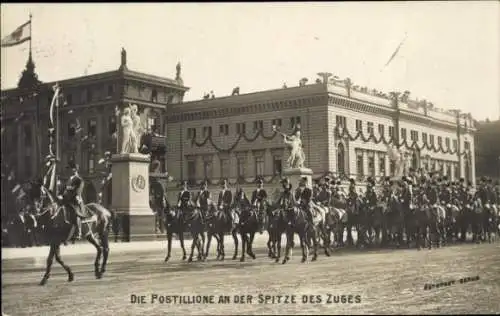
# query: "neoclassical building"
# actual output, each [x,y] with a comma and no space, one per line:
[87,121]
[346,130]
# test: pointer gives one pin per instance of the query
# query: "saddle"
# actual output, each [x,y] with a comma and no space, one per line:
[83,212]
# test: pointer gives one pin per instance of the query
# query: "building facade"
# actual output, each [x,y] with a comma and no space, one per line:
[87,119]
[488,149]
[346,131]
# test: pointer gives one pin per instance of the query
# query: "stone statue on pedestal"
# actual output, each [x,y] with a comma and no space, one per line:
[297,156]
[132,129]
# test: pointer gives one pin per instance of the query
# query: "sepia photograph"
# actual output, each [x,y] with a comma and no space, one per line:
[268,158]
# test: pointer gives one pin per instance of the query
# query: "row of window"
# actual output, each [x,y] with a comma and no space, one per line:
[240,127]
[242,164]
[341,121]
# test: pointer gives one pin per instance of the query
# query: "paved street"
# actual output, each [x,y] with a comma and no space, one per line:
[387,281]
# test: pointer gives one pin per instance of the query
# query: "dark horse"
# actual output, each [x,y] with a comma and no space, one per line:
[276,226]
[95,227]
[248,225]
[296,223]
[178,221]
[218,222]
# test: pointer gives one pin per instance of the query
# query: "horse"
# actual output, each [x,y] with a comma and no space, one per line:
[248,226]
[275,228]
[452,221]
[318,229]
[394,220]
[477,219]
[218,222]
[195,225]
[490,221]
[437,225]
[296,223]
[95,227]
[422,220]
[174,224]
[375,222]
[336,221]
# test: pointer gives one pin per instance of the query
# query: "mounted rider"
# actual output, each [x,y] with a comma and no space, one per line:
[371,195]
[303,195]
[325,195]
[240,197]
[433,193]
[407,195]
[73,201]
[352,195]
[202,199]
[286,200]
[315,190]
[445,195]
[184,198]
[259,200]
[224,201]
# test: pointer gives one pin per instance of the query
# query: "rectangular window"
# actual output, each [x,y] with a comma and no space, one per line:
[424,138]
[294,121]
[359,164]
[392,167]
[191,133]
[467,145]
[414,136]
[224,168]
[371,165]
[391,131]
[259,166]
[448,170]
[191,170]
[92,127]
[340,121]
[27,135]
[381,129]
[369,128]
[207,169]
[277,165]
[111,90]
[440,141]
[381,165]
[223,130]
[207,130]
[447,142]
[258,126]
[456,171]
[89,95]
[431,141]
[359,125]
[240,166]
[69,99]
[403,133]
[277,122]
[240,128]
[111,125]
[455,144]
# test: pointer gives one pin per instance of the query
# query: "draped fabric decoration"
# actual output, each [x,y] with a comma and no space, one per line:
[341,132]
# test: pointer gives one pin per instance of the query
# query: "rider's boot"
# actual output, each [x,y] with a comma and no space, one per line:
[78,228]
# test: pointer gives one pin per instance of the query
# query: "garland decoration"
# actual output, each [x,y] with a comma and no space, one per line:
[343,132]
[241,136]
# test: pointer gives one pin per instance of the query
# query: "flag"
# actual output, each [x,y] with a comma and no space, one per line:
[395,52]
[19,36]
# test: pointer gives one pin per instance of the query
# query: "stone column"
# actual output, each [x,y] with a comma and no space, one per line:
[130,197]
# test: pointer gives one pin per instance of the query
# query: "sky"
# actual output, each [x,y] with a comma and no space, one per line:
[451,54]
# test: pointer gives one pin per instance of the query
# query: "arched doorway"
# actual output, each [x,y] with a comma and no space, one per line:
[341,159]
[89,194]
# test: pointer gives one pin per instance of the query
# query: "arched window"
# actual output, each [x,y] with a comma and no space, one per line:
[154,96]
[341,159]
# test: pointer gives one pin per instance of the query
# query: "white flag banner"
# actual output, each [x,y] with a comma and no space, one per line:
[19,36]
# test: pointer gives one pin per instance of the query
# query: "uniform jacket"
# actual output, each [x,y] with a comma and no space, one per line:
[75,187]
[225,198]
[445,195]
[286,198]
[324,197]
[371,198]
[432,194]
[202,197]
[406,197]
[184,197]
[259,195]
[304,196]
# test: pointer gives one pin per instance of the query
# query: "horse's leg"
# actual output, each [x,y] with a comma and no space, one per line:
[97,261]
[315,238]
[50,260]
[209,240]
[250,244]
[244,244]
[222,252]
[277,242]
[269,244]
[201,254]
[57,254]
[169,244]
[303,245]
[105,249]
[181,241]
[289,242]
[194,243]
[235,239]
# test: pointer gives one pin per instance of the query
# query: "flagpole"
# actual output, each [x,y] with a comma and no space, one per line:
[31,33]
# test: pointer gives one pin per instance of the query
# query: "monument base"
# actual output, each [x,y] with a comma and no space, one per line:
[295,174]
[137,227]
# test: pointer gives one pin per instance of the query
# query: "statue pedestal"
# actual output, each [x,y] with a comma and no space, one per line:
[130,197]
[295,174]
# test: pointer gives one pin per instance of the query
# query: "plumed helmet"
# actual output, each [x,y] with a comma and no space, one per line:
[259,181]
